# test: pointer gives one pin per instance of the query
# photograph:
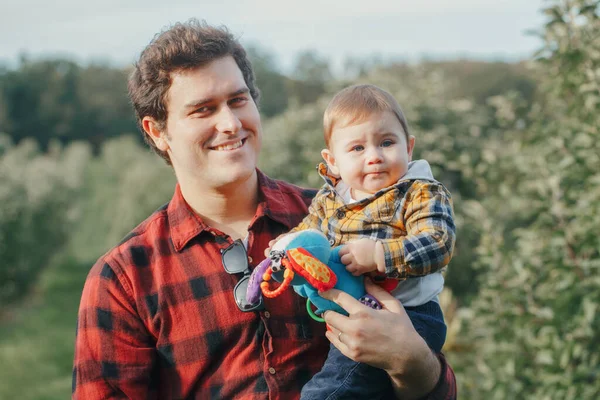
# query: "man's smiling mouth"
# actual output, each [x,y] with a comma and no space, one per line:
[231,146]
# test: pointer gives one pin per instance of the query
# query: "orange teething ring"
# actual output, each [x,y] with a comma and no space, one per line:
[288,275]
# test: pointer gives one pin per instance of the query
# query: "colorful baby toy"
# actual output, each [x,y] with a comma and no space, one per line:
[306,261]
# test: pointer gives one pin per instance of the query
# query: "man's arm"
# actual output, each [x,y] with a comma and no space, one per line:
[386,339]
[431,234]
[430,378]
[114,356]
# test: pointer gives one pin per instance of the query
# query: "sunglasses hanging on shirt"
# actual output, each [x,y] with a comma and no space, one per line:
[235,261]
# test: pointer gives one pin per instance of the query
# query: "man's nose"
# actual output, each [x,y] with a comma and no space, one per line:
[228,121]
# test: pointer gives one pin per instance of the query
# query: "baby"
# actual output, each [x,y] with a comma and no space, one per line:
[394,220]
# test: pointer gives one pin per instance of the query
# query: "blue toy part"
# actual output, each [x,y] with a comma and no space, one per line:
[317,244]
[346,282]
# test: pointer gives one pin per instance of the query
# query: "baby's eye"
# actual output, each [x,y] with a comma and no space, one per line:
[387,143]
[358,147]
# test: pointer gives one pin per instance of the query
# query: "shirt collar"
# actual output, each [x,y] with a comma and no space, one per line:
[185,224]
[327,176]
[272,202]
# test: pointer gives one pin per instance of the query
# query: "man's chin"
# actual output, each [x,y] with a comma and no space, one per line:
[232,176]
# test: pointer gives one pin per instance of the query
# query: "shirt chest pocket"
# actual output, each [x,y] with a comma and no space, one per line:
[291,321]
[385,209]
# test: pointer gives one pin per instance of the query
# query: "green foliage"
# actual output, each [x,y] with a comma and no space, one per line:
[122,187]
[273,85]
[536,323]
[37,193]
[60,212]
[58,99]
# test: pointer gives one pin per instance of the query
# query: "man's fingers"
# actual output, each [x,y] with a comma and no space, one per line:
[387,300]
[334,338]
[344,300]
[335,320]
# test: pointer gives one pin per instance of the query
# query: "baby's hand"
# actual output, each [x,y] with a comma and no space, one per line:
[359,256]
[271,243]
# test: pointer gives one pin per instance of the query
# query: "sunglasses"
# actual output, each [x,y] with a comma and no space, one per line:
[235,261]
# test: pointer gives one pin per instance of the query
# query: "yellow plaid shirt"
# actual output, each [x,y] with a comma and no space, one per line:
[413,219]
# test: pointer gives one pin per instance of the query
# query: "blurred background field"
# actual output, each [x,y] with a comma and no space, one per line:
[517,143]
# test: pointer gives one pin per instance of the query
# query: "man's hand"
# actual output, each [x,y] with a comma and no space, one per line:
[384,339]
[362,256]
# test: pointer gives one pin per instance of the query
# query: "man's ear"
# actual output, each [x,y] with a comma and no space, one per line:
[330,160]
[410,146]
[155,134]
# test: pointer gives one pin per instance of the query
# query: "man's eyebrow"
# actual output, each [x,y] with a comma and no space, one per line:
[244,90]
[200,102]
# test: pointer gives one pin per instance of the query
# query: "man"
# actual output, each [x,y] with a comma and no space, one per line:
[160,315]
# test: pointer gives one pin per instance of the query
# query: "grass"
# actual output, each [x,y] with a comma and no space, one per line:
[37,337]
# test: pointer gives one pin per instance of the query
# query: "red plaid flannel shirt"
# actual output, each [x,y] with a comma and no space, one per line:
[158,319]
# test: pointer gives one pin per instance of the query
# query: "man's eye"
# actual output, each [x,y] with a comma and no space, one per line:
[202,110]
[238,100]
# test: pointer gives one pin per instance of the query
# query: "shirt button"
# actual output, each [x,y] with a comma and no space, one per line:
[331,242]
[267,314]
[272,371]
[249,259]
[340,214]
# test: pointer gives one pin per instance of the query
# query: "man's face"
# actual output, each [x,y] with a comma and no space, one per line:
[371,155]
[213,132]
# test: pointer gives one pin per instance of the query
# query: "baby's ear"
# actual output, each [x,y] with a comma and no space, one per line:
[410,146]
[330,160]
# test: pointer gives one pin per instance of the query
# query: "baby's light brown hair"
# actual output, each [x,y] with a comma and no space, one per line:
[355,104]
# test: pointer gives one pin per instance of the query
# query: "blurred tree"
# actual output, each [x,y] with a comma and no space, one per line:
[272,84]
[58,99]
[311,67]
[39,100]
[536,321]
[310,75]
[105,111]
[123,185]
[37,192]
[355,66]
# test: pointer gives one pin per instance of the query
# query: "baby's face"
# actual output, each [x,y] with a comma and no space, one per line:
[370,155]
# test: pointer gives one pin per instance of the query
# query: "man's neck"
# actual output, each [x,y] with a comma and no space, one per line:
[229,209]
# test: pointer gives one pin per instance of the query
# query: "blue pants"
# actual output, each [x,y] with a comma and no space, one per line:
[341,378]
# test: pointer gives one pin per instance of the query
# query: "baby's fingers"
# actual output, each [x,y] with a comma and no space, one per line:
[354,269]
[347,259]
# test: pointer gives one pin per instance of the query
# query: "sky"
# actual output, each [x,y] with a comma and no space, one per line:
[115,31]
